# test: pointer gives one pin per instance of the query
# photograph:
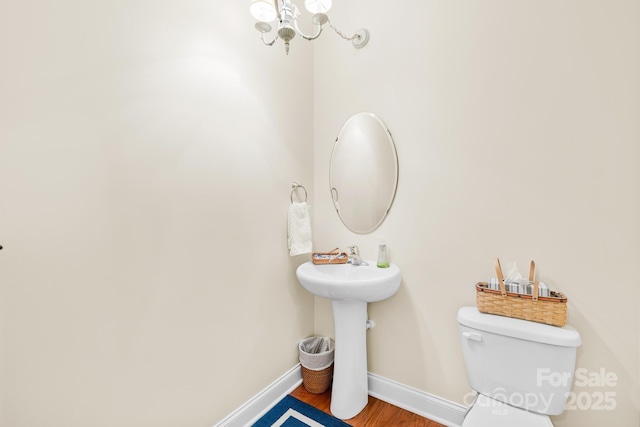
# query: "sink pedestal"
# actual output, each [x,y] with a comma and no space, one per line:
[350,392]
[350,287]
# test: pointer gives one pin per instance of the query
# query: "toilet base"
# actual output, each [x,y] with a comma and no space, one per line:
[486,411]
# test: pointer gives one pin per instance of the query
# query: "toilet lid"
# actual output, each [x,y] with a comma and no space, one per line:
[488,412]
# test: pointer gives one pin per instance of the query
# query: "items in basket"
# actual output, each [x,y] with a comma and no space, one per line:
[522,287]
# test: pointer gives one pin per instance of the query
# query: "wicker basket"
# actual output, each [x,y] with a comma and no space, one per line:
[551,310]
[316,363]
[317,382]
[333,257]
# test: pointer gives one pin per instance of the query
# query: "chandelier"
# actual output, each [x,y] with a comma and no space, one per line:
[286,13]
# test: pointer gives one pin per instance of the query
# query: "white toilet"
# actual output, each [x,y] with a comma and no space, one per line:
[522,371]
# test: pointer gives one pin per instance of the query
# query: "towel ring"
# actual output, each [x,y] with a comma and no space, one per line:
[294,187]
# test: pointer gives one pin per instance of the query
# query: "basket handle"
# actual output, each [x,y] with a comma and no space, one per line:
[532,270]
[503,290]
[536,284]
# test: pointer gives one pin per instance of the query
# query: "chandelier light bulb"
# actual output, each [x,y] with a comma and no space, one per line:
[317,6]
[263,10]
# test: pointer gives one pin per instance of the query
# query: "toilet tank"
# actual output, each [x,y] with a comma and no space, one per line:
[525,364]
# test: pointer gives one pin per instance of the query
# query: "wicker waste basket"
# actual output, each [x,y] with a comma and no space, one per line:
[316,359]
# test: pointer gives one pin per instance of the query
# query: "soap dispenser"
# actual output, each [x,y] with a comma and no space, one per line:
[383,256]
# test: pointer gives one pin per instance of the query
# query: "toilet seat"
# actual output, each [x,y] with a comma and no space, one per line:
[488,412]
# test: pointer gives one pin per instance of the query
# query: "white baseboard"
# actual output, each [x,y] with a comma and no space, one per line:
[258,405]
[413,400]
[424,404]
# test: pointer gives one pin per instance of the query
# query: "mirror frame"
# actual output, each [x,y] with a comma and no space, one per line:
[334,192]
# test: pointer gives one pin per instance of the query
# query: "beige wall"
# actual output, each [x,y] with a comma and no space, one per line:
[146,154]
[516,125]
[147,151]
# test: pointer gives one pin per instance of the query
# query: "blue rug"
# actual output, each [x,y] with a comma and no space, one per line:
[291,412]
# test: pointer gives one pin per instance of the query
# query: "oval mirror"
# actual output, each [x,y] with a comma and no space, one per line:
[363,173]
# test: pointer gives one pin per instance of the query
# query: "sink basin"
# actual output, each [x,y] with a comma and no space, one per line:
[366,283]
[350,288]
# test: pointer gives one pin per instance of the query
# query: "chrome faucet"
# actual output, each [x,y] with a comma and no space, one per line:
[354,256]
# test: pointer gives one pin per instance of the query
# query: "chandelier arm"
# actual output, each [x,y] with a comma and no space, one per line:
[264,40]
[303,35]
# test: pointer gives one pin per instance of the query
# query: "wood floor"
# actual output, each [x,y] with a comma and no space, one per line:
[376,413]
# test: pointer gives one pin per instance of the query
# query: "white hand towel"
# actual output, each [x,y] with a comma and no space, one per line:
[299,240]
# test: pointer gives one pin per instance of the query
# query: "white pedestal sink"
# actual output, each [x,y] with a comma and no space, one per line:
[350,287]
